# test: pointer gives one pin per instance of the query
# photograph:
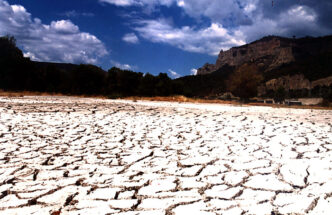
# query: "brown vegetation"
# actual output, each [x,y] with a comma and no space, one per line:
[244,81]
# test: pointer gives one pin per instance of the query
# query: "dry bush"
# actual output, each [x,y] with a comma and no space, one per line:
[244,81]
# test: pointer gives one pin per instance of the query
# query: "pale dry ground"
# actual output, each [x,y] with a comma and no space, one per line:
[93,156]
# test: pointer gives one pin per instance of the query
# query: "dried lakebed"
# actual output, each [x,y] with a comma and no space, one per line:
[66,155]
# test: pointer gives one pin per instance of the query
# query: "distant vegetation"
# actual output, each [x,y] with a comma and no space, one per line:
[21,74]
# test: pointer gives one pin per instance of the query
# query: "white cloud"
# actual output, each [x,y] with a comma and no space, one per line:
[31,56]
[130,38]
[193,71]
[217,11]
[243,20]
[64,26]
[60,41]
[213,9]
[123,66]
[250,20]
[74,13]
[120,2]
[181,3]
[299,14]
[303,22]
[173,74]
[250,7]
[146,3]
[206,40]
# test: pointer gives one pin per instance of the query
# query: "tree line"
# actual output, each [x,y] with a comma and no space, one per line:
[21,74]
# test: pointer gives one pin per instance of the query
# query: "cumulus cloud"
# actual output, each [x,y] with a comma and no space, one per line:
[215,10]
[146,3]
[243,20]
[60,41]
[181,3]
[226,12]
[205,40]
[130,38]
[297,20]
[123,66]
[173,74]
[193,71]
[120,2]
[64,26]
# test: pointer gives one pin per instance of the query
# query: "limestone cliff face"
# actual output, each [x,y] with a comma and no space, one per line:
[322,82]
[269,52]
[206,69]
[294,82]
[297,82]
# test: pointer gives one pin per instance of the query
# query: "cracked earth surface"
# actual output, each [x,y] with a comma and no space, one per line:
[66,155]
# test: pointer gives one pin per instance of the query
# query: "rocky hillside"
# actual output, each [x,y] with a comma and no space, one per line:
[270,52]
[299,67]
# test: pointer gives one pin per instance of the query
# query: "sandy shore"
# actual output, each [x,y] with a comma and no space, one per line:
[73,155]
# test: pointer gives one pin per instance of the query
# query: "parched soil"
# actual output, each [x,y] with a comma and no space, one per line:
[67,155]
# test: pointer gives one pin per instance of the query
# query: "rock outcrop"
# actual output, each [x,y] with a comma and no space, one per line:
[294,82]
[270,52]
[322,82]
[206,69]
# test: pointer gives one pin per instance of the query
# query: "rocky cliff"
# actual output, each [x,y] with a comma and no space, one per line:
[294,82]
[270,52]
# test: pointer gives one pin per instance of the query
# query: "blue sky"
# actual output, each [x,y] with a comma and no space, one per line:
[170,36]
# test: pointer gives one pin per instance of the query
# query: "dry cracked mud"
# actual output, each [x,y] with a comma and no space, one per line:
[67,155]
